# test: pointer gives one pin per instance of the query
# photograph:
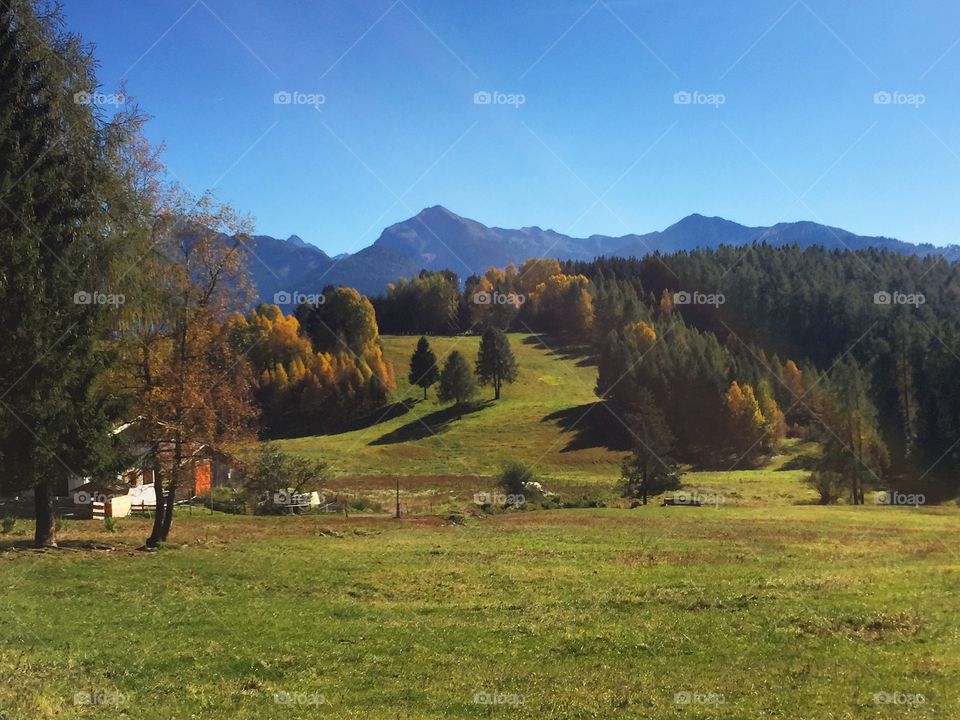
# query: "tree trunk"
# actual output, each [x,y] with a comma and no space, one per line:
[174,484]
[168,509]
[168,512]
[45,534]
[156,534]
[496,390]
[645,483]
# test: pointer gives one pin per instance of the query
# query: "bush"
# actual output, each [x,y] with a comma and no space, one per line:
[271,471]
[829,485]
[584,501]
[225,500]
[9,522]
[515,477]
[219,494]
[111,524]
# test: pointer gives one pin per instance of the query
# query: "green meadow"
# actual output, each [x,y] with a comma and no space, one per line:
[554,391]
[759,604]
[658,612]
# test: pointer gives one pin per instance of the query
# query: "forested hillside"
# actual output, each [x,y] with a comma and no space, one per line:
[738,345]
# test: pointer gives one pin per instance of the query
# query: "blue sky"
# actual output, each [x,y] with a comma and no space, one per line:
[782,122]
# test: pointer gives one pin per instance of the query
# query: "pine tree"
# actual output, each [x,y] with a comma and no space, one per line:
[423,366]
[649,469]
[456,381]
[54,255]
[495,362]
[852,446]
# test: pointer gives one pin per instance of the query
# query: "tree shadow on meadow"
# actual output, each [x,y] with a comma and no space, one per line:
[304,428]
[432,424]
[592,425]
[581,354]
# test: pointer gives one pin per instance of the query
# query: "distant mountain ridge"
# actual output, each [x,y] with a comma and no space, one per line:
[436,239]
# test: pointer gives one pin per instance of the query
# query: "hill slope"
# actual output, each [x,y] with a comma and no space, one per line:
[527,423]
[545,419]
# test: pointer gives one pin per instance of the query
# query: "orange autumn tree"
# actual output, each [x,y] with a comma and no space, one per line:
[176,378]
[746,419]
[563,305]
[757,425]
[187,384]
[318,376]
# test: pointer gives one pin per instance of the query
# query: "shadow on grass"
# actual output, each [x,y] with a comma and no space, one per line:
[800,462]
[432,424]
[593,426]
[24,543]
[562,348]
[381,415]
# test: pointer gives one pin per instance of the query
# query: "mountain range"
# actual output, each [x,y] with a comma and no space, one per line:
[437,239]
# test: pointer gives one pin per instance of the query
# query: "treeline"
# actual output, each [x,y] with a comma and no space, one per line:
[536,294]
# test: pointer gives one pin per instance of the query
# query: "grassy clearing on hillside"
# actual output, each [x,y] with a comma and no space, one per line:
[553,391]
[802,612]
[543,419]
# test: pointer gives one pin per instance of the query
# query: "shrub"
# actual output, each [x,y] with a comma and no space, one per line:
[584,501]
[271,471]
[111,524]
[9,522]
[829,485]
[515,477]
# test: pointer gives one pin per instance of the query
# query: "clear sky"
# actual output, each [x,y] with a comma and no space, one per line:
[585,136]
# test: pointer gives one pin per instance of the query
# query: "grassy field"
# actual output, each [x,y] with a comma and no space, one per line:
[548,419]
[788,612]
[531,422]
[759,604]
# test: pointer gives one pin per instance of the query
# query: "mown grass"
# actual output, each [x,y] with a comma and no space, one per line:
[791,612]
